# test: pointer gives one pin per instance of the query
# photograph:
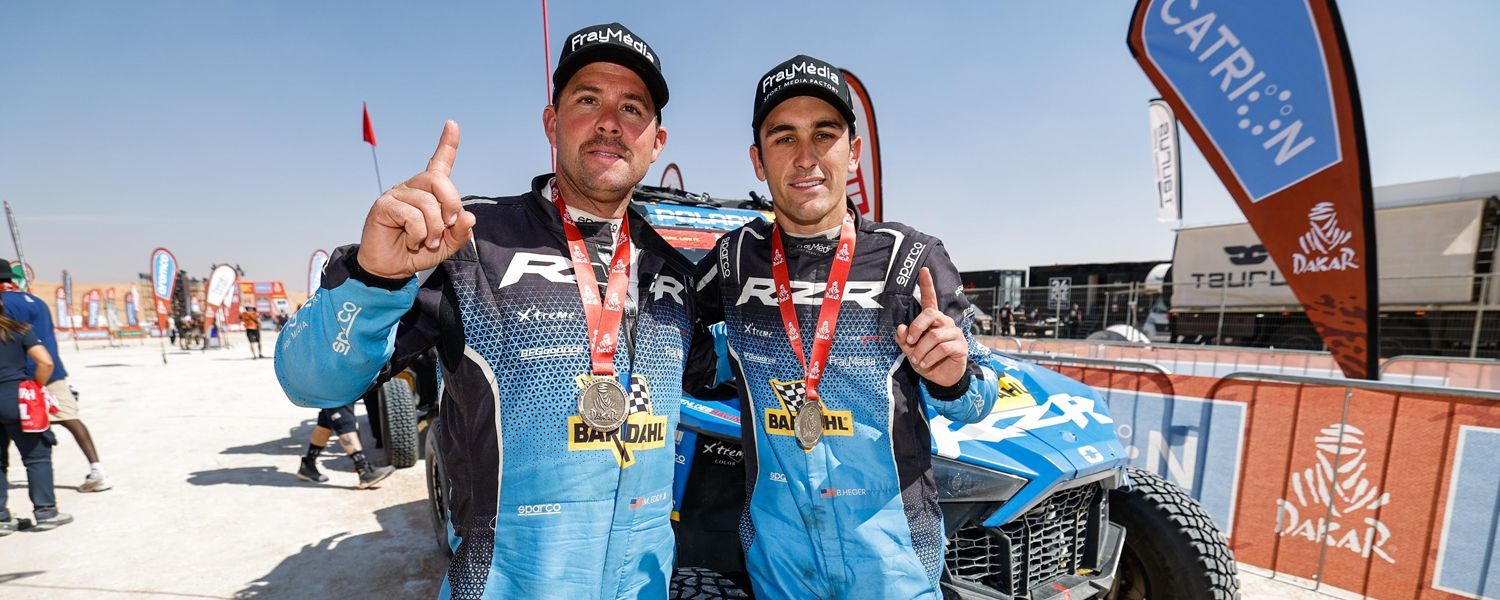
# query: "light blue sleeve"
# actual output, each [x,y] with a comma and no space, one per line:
[976,403]
[330,352]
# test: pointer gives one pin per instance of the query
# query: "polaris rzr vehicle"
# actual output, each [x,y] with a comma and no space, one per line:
[1037,499]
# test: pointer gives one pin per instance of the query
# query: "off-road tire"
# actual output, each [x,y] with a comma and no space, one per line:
[1172,547]
[692,583]
[398,423]
[437,490]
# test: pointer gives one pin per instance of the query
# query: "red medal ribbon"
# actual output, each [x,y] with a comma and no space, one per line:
[828,315]
[602,327]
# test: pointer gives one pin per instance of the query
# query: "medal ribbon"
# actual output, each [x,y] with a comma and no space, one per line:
[828,315]
[603,318]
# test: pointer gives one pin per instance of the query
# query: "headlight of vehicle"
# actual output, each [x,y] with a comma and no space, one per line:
[968,483]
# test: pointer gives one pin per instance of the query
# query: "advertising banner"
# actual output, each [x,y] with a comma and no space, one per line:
[64,316]
[163,278]
[1266,90]
[315,270]
[863,187]
[671,178]
[1165,159]
[95,315]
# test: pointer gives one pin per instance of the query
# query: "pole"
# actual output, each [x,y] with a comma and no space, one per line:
[1484,296]
[547,76]
[377,171]
[1219,335]
[15,237]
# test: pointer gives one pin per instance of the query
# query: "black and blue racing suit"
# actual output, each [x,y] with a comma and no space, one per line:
[545,506]
[857,516]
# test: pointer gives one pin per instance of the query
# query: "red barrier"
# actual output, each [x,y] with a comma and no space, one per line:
[1347,487]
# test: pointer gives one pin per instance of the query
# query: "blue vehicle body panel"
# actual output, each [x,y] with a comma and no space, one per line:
[1047,429]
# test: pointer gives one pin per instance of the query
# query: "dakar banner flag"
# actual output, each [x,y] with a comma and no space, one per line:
[96,317]
[315,270]
[64,318]
[671,177]
[218,291]
[163,278]
[1164,155]
[863,187]
[132,306]
[1266,89]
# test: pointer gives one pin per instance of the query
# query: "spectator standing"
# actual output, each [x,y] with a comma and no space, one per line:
[31,310]
[18,343]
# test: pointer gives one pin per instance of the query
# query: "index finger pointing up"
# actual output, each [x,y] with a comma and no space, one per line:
[929,295]
[447,151]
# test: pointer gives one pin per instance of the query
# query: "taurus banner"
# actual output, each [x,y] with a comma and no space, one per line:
[163,278]
[1164,156]
[864,184]
[1266,90]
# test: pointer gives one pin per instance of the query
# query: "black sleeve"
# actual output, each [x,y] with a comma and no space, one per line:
[702,376]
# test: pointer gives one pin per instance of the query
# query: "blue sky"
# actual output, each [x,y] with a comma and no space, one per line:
[1015,131]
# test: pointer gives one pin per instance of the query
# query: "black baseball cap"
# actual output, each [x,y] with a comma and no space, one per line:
[612,43]
[803,75]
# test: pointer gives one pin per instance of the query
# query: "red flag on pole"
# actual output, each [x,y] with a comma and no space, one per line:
[369,129]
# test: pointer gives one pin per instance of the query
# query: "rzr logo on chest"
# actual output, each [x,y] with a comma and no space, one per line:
[558,269]
[763,289]
[642,430]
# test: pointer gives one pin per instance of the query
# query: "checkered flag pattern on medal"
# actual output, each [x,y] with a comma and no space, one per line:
[793,393]
[640,396]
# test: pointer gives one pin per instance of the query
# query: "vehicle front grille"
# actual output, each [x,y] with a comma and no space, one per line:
[1056,538]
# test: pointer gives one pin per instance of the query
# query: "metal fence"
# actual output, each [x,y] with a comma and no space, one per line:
[1455,315]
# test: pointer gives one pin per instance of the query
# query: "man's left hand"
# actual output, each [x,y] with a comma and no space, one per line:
[935,346]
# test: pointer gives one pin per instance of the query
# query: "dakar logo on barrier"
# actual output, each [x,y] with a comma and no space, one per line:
[1331,496]
[643,428]
[1323,245]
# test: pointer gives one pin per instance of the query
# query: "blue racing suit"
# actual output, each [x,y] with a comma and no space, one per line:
[857,516]
[545,506]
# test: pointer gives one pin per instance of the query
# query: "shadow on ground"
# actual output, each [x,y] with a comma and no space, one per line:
[399,561]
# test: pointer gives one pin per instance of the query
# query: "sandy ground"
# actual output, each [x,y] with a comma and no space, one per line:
[203,453]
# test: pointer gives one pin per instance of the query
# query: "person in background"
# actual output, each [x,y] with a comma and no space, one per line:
[18,343]
[32,311]
[251,320]
[340,420]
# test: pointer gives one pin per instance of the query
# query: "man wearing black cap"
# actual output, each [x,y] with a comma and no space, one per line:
[842,502]
[560,320]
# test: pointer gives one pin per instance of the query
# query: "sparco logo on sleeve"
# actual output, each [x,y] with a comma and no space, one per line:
[346,317]
[909,263]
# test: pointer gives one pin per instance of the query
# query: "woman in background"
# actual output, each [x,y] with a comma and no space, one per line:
[17,342]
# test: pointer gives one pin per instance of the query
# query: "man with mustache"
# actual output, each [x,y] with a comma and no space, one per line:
[561,321]
[842,502]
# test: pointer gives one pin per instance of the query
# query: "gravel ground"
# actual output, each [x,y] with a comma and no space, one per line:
[203,453]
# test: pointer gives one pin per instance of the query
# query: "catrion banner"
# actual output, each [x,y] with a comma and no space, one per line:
[163,278]
[1266,89]
[863,187]
[315,270]
[1164,156]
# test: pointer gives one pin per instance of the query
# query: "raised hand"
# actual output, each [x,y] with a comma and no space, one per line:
[420,222]
[935,346]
